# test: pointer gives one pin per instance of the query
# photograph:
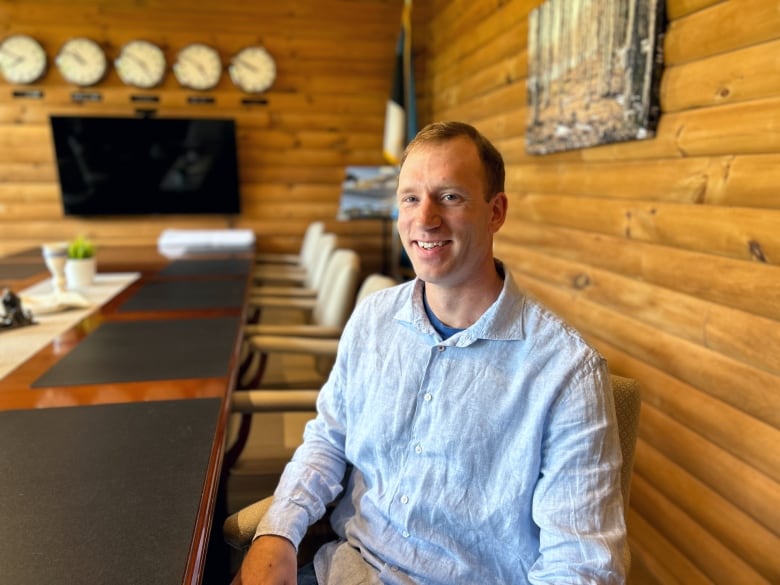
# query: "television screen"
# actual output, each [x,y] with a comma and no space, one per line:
[139,166]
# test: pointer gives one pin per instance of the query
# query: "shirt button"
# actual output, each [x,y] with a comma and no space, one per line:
[418,449]
[404,499]
[405,534]
[428,397]
[441,348]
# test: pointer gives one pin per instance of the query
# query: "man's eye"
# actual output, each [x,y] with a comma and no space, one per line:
[450,197]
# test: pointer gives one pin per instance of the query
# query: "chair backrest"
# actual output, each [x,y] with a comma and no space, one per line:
[335,297]
[373,283]
[337,291]
[628,401]
[309,244]
[314,277]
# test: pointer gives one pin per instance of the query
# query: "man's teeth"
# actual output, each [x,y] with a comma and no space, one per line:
[429,245]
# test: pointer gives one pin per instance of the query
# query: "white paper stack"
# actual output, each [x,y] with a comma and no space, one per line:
[173,243]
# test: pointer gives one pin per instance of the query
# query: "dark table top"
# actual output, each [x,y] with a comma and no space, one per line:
[118,482]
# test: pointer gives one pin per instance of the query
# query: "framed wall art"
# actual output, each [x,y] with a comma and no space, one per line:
[594,72]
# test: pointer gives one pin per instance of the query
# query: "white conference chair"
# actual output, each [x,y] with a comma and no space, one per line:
[303,258]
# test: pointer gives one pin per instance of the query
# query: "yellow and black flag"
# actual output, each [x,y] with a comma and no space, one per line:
[401,113]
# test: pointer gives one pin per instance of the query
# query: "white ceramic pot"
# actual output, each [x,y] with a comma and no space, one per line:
[79,273]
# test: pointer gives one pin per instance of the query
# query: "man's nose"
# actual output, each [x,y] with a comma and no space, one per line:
[428,213]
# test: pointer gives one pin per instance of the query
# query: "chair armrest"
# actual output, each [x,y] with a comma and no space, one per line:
[293,330]
[277,258]
[267,290]
[280,272]
[304,345]
[250,401]
[304,304]
[239,528]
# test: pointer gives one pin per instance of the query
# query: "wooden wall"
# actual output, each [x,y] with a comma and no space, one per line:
[665,254]
[325,111]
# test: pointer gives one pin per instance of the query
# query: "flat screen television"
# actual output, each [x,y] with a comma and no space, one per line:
[112,166]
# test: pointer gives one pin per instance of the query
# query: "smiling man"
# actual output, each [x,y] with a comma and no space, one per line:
[477,427]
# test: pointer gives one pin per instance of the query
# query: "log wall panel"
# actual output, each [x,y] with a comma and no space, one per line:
[749,389]
[710,556]
[664,253]
[743,535]
[325,110]
[648,546]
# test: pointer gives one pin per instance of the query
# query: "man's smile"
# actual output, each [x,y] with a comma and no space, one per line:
[430,245]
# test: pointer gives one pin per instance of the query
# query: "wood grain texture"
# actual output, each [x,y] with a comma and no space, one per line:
[324,112]
[663,253]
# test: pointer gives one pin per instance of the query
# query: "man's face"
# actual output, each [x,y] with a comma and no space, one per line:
[445,224]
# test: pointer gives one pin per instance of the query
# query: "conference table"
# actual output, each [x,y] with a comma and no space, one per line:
[112,431]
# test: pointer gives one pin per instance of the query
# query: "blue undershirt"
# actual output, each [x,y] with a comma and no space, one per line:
[444,330]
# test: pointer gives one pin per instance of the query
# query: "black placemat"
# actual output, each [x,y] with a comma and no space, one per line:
[102,494]
[174,295]
[16,271]
[208,267]
[147,350]
[27,253]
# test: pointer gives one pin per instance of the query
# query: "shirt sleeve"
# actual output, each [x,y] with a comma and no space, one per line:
[577,502]
[314,476]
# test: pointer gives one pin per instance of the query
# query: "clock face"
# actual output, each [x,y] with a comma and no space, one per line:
[81,61]
[140,63]
[253,69]
[198,66]
[22,59]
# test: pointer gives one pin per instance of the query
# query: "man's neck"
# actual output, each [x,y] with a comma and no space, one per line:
[462,306]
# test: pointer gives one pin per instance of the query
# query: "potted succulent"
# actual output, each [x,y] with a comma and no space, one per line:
[80,267]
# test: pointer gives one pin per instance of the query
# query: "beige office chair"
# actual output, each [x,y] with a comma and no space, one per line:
[308,276]
[273,281]
[303,258]
[306,339]
[324,314]
[314,339]
[239,528]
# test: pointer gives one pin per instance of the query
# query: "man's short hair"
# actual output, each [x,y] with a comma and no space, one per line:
[492,161]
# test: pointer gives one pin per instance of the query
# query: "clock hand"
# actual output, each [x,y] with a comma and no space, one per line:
[141,62]
[16,58]
[77,56]
[247,64]
[198,66]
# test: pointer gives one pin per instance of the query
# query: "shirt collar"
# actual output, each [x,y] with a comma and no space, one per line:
[503,320]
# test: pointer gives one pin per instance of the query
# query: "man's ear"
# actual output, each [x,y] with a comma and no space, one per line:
[499,205]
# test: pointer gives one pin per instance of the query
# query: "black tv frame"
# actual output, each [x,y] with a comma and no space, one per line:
[119,166]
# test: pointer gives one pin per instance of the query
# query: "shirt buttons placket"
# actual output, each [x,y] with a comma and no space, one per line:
[405,500]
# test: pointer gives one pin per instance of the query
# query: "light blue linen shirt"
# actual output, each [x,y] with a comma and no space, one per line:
[488,458]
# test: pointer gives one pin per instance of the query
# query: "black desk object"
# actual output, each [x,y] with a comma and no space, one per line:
[183,295]
[208,267]
[137,351]
[104,494]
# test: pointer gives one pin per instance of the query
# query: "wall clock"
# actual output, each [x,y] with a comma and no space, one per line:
[22,59]
[81,61]
[252,69]
[198,66]
[141,64]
